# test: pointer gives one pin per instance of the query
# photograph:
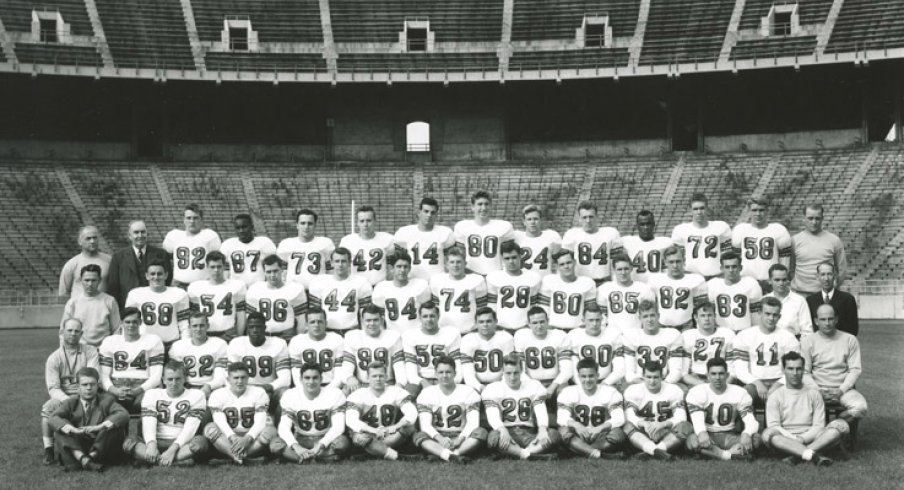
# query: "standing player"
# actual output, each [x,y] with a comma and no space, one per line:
[281,304]
[425,241]
[164,309]
[170,419]
[307,254]
[97,311]
[546,353]
[313,419]
[204,357]
[449,416]
[761,243]
[516,411]
[458,293]
[89,241]
[424,345]
[716,408]
[814,246]
[706,342]
[599,343]
[482,351]
[372,343]
[369,247]
[564,294]
[380,417]
[221,299]
[340,295]
[703,241]
[401,297]
[645,249]
[651,343]
[537,245]
[619,298]
[738,299]
[240,427]
[677,293]
[266,359]
[512,291]
[757,352]
[655,420]
[483,237]
[131,363]
[244,251]
[317,347]
[591,244]
[591,415]
[795,311]
[190,246]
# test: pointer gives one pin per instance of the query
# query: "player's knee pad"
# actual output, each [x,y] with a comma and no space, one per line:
[406,431]
[616,436]
[419,438]
[340,445]
[479,433]
[275,445]
[493,439]
[554,438]
[840,425]
[198,445]
[629,429]
[361,439]
[128,445]
[268,435]
[682,430]
[212,432]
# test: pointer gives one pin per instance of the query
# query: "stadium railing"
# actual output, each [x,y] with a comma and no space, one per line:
[29,297]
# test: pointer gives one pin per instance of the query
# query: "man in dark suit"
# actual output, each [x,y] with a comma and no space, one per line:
[89,428]
[129,265]
[844,303]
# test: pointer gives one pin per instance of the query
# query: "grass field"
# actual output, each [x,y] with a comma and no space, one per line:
[878,463]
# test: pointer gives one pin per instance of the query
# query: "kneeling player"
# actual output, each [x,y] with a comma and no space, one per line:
[656,422]
[240,427]
[715,409]
[170,420]
[449,416]
[380,417]
[313,420]
[516,411]
[591,415]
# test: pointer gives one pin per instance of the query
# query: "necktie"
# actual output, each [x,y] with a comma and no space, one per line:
[827,299]
[141,257]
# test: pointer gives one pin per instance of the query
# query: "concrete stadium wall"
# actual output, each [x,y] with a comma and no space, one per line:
[187,152]
[30,316]
[64,150]
[800,140]
[880,307]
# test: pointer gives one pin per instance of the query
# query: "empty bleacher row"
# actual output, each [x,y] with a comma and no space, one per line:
[569,59]
[809,11]
[417,62]
[146,33]
[265,62]
[274,21]
[868,24]
[17,14]
[769,48]
[685,31]
[557,19]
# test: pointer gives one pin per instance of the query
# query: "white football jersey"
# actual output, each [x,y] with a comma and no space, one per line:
[341,299]
[449,412]
[590,411]
[721,411]
[306,260]
[676,297]
[220,302]
[511,296]
[761,248]
[760,354]
[654,407]
[361,349]
[427,249]
[565,301]
[369,256]
[401,303]
[263,361]
[486,355]
[326,353]
[542,356]
[700,348]
[536,252]
[421,348]
[172,412]
[130,360]
[458,299]
[200,360]
[620,302]
[735,302]
[378,411]
[190,252]
[515,406]
[162,314]
[482,243]
[646,257]
[640,348]
[239,410]
[592,250]
[703,246]
[245,260]
[605,349]
[312,417]
[279,306]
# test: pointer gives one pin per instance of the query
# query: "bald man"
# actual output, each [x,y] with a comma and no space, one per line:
[89,241]
[128,267]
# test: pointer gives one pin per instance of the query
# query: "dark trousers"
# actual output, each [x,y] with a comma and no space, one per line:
[108,445]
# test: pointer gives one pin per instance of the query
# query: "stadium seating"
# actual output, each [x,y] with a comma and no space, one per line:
[17,14]
[279,21]
[774,47]
[146,33]
[809,11]
[625,186]
[868,24]
[366,21]
[685,31]
[417,62]
[569,59]
[58,54]
[218,191]
[294,62]
[558,19]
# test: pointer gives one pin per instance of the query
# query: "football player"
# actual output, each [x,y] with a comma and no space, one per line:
[677,292]
[97,311]
[380,417]
[341,295]
[482,236]
[757,351]
[369,247]
[737,298]
[425,241]
[424,345]
[591,415]
[266,359]
[565,294]
[401,297]
[313,421]
[482,351]
[221,299]
[204,357]
[130,363]
[655,419]
[795,311]
[164,309]
[545,352]
[512,291]
[703,241]
[537,245]
[706,342]
[307,254]
[591,244]
[600,343]
[652,343]
[281,304]
[317,347]
[761,243]
[458,293]
[814,246]
[372,343]
[644,250]
[619,298]
[244,251]
[190,246]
